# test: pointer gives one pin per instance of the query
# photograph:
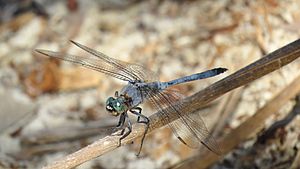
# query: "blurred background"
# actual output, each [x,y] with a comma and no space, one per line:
[49,108]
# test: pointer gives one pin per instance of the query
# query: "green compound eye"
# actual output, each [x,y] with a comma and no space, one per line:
[115,105]
[110,100]
[119,105]
[109,104]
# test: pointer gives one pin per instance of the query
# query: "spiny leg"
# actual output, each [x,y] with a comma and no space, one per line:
[129,129]
[138,111]
[120,124]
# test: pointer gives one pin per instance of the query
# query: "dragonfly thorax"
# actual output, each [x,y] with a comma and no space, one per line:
[116,106]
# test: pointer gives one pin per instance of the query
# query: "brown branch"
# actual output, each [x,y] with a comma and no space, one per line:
[269,63]
[69,133]
[271,131]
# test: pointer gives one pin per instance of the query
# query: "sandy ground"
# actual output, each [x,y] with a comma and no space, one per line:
[51,108]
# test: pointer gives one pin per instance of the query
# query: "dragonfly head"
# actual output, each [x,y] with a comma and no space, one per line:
[115,106]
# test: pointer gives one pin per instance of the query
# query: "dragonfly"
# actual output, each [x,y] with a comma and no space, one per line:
[142,85]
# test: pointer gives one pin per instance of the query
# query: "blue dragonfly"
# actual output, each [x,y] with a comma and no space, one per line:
[143,84]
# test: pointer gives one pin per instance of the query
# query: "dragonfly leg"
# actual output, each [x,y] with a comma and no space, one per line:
[120,124]
[128,132]
[138,111]
[121,120]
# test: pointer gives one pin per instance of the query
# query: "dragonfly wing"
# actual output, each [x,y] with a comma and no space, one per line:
[143,74]
[89,62]
[100,62]
[190,128]
[135,71]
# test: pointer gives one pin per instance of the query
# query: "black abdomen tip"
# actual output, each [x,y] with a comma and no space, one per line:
[220,70]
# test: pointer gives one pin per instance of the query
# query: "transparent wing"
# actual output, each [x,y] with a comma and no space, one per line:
[143,74]
[100,62]
[137,72]
[89,62]
[190,128]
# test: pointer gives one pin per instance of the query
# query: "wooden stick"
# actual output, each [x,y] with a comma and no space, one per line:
[70,133]
[263,66]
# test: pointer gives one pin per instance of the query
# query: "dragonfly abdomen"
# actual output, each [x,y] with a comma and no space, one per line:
[197,76]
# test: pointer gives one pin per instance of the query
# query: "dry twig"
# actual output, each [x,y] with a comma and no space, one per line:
[263,66]
[270,132]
